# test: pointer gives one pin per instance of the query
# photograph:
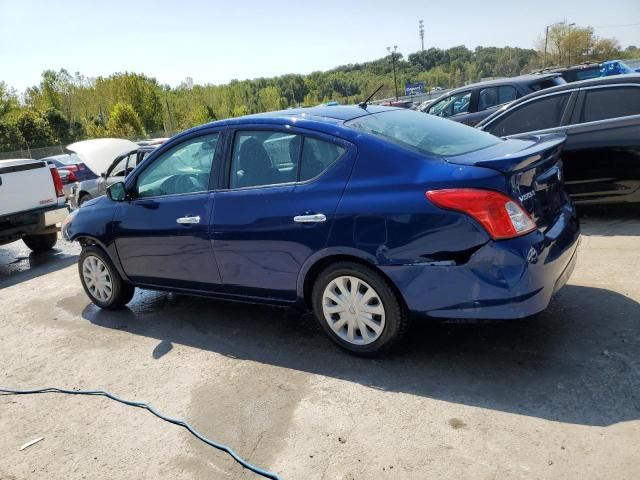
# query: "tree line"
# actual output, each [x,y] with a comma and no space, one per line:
[66,107]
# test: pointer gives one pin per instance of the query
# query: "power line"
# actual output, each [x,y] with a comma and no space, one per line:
[613,26]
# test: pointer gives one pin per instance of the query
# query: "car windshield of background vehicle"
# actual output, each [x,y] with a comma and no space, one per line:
[611,102]
[452,105]
[184,169]
[538,114]
[425,133]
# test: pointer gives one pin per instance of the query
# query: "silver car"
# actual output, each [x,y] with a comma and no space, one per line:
[116,172]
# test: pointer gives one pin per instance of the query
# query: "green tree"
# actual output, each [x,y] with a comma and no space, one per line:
[10,137]
[34,128]
[60,126]
[124,121]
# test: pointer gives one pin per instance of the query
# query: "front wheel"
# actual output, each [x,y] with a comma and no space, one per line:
[41,243]
[358,309]
[101,281]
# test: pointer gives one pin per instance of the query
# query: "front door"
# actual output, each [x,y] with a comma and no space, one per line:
[283,189]
[162,233]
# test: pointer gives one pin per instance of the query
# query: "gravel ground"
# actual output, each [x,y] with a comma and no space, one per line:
[554,396]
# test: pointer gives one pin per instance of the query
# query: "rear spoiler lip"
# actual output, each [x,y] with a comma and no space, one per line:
[537,148]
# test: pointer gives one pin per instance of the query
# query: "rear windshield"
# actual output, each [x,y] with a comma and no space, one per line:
[423,132]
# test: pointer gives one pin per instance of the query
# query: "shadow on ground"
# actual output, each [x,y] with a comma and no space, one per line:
[607,220]
[578,362]
[23,267]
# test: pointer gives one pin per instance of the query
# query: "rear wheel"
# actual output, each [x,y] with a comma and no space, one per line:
[358,309]
[101,281]
[41,243]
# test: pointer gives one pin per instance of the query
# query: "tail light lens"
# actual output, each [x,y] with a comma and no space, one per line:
[71,168]
[57,182]
[499,214]
[72,177]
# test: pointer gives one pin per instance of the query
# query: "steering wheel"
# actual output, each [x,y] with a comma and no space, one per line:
[187,182]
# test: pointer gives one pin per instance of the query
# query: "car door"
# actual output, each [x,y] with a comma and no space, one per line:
[490,99]
[281,192]
[163,233]
[602,152]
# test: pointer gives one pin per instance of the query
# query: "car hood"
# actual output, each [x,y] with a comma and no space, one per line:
[99,153]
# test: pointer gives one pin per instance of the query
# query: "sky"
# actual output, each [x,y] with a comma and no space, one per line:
[216,41]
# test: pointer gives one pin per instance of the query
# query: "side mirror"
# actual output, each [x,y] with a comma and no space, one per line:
[103,174]
[117,192]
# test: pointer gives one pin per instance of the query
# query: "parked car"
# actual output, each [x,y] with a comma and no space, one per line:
[119,168]
[574,73]
[97,154]
[601,118]
[363,213]
[72,163]
[472,103]
[616,67]
[31,203]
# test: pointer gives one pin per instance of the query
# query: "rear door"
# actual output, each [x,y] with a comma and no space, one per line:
[602,153]
[163,233]
[277,206]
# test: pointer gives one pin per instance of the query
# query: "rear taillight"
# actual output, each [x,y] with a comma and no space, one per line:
[71,168]
[57,182]
[72,177]
[500,215]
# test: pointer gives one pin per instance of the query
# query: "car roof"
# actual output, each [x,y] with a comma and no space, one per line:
[591,82]
[504,81]
[566,68]
[320,115]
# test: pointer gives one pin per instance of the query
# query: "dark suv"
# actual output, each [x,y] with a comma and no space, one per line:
[601,118]
[472,103]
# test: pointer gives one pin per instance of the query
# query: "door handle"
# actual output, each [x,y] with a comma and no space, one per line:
[188,220]
[312,218]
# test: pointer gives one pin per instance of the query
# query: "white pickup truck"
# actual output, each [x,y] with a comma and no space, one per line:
[32,202]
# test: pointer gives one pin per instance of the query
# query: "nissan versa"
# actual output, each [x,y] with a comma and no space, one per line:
[366,214]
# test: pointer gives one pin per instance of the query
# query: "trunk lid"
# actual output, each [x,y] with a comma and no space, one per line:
[533,172]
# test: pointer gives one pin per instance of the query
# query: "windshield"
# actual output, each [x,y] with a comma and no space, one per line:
[423,132]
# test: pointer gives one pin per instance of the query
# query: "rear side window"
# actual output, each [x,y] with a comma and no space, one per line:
[264,157]
[610,103]
[494,96]
[538,114]
[424,133]
[317,156]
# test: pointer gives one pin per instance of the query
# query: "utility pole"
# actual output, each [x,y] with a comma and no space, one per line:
[421,30]
[546,39]
[393,63]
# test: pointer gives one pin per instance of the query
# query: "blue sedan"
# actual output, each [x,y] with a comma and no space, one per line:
[365,214]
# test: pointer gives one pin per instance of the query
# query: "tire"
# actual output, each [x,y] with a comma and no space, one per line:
[95,264]
[390,321]
[41,243]
[84,198]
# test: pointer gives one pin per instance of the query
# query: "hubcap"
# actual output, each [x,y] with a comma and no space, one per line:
[97,278]
[353,310]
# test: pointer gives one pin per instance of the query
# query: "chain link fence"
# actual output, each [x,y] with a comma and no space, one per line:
[33,152]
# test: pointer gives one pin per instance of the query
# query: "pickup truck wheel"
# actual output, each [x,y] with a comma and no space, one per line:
[41,243]
[101,281]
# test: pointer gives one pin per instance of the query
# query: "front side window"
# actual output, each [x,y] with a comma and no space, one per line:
[611,102]
[185,168]
[424,133]
[119,168]
[538,114]
[453,105]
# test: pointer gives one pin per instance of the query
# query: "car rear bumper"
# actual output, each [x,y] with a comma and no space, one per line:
[502,279]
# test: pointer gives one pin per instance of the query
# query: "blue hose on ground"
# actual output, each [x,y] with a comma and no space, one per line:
[146,406]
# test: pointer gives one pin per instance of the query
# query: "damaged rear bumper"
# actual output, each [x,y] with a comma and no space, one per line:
[504,279]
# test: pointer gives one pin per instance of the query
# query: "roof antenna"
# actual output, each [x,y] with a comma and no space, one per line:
[364,104]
